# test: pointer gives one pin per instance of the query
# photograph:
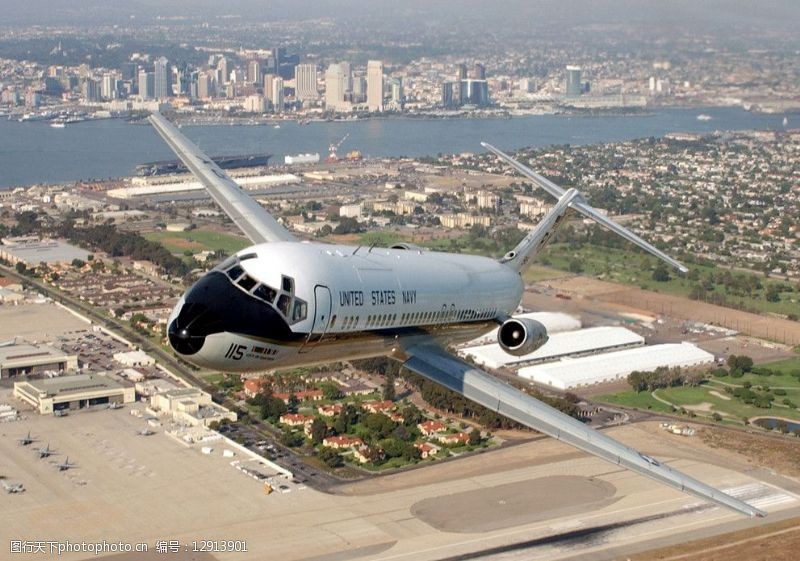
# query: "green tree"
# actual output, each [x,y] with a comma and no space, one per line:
[475,437]
[330,457]
[319,430]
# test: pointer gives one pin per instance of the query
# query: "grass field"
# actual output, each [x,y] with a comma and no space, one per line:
[197,241]
[705,400]
[629,266]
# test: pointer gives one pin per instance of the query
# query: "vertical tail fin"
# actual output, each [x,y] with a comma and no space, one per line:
[530,246]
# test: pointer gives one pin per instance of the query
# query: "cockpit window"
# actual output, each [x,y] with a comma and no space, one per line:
[235,272]
[300,310]
[284,302]
[266,293]
[228,263]
[288,284]
[247,282]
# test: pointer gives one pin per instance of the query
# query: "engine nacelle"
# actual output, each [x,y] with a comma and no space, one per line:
[521,336]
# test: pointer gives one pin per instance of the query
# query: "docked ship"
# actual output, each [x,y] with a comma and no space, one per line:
[225,162]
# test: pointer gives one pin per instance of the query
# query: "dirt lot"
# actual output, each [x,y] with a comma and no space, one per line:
[776,329]
[780,454]
[773,542]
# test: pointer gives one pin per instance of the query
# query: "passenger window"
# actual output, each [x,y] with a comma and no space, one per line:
[288,284]
[284,303]
[247,282]
[301,310]
[266,293]
[235,272]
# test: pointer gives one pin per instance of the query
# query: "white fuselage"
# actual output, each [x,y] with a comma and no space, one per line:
[341,302]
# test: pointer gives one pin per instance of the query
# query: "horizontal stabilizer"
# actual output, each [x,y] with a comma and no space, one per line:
[579,204]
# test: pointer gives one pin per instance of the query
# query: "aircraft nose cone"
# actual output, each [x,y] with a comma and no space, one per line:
[187,332]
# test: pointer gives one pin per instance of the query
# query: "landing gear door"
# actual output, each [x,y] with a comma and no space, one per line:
[322,317]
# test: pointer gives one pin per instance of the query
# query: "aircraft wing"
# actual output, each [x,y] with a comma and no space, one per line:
[427,358]
[256,223]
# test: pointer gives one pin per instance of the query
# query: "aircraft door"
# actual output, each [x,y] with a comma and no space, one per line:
[322,316]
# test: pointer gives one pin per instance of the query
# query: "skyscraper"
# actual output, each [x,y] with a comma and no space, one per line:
[254,72]
[479,71]
[348,76]
[305,81]
[277,94]
[447,94]
[398,98]
[462,71]
[474,92]
[161,82]
[145,83]
[269,79]
[205,85]
[334,88]
[375,85]
[222,66]
[573,87]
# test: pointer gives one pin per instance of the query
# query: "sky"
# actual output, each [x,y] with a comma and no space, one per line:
[496,13]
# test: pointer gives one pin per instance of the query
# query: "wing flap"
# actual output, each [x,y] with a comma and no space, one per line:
[254,221]
[431,361]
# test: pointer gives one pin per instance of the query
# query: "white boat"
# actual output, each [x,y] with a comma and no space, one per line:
[58,124]
[276,127]
[703,117]
[785,121]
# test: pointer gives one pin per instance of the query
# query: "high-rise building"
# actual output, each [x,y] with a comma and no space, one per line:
[268,81]
[277,94]
[255,104]
[462,71]
[398,98]
[474,92]
[348,76]
[305,82]
[254,72]
[90,89]
[109,86]
[573,85]
[479,71]
[161,78]
[448,100]
[222,66]
[334,88]
[145,83]
[359,89]
[205,85]
[375,85]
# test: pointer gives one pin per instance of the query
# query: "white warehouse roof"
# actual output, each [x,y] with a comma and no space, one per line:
[571,373]
[570,343]
[554,322]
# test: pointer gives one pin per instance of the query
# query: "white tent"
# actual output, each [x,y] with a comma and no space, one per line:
[570,343]
[608,367]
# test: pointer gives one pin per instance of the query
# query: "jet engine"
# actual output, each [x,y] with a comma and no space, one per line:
[520,336]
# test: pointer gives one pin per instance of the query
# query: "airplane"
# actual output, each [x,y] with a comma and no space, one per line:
[25,440]
[45,452]
[65,465]
[286,303]
[12,487]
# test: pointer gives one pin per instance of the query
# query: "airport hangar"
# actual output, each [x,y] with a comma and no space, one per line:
[73,392]
[18,360]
